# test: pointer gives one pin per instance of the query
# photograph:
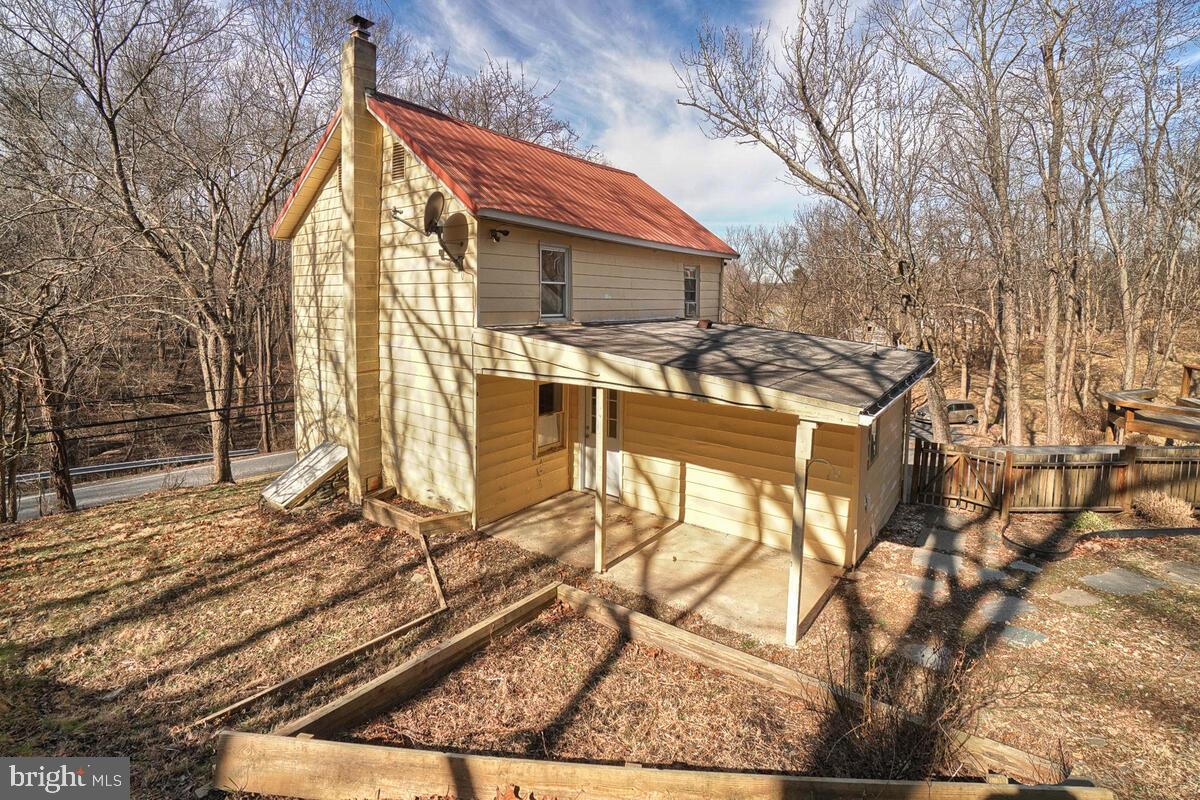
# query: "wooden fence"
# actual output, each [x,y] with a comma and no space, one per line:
[1054,478]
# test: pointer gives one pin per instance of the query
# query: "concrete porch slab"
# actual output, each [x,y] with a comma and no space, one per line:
[731,581]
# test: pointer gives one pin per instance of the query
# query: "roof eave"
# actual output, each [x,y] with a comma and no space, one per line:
[540,223]
[293,210]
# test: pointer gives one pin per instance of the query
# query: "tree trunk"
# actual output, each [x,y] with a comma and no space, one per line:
[218,370]
[989,392]
[964,374]
[49,399]
[1050,360]
[1014,421]
[936,400]
[263,379]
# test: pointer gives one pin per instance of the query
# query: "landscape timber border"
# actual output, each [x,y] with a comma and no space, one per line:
[292,761]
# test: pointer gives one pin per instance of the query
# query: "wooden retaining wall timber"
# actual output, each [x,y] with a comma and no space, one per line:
[377,508]
[325,770]
[984,755]
[1052,478]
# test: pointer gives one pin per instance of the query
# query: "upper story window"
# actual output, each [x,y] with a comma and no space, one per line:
[691,292]
[555,281]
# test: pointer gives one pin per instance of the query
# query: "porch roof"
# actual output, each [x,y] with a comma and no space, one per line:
[849,377]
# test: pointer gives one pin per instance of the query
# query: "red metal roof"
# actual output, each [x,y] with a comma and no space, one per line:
[490,171]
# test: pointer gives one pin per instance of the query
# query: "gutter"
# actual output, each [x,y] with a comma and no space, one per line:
[868,416]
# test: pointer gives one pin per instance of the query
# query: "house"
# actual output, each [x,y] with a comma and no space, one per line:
[472,368]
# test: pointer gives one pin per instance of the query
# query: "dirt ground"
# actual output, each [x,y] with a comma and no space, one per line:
[124,625]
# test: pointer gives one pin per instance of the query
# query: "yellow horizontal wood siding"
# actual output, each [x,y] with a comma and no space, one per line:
[883,479]
[608,281]
[427,313]
[511,476]
[318,317]
[737,472]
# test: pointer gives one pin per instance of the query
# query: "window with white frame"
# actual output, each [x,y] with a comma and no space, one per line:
[555,279]
[691,292]
[551,417]
[872,442]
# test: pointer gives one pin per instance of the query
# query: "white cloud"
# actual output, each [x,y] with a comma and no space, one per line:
[720,183]
[613,65]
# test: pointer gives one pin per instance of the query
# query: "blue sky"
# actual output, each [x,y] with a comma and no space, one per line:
[613,65]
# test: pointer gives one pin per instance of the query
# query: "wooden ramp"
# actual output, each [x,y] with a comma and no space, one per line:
[294,486]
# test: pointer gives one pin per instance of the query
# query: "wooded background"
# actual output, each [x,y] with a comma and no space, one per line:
[1012,185]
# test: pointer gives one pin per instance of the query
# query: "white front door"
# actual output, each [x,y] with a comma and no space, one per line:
[612,441]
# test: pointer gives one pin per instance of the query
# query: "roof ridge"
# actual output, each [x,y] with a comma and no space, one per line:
[417,106]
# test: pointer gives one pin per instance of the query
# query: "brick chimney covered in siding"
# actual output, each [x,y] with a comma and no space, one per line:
[361,163]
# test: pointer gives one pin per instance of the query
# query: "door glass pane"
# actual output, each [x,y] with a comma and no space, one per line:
[614,405]
[552,300]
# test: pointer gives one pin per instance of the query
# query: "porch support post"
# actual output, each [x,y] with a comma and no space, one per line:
[601,473]
[804,433]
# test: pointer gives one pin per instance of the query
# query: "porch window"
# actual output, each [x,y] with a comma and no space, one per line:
[555,278]
[691,292]
[551,421]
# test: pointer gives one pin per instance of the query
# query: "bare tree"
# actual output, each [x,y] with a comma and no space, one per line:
[496,96]
[187,123]
[844,122]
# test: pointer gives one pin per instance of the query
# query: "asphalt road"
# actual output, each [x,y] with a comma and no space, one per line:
[95,493]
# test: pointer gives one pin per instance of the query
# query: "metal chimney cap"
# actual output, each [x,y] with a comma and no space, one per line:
[360,23]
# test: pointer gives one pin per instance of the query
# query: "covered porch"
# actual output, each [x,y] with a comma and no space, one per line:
[732,581]
[720,470]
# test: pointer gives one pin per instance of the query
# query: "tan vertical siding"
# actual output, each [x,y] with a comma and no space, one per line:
[882,479]
[511,476]
[608,281]
[427,313]
[318,316]
[737,472]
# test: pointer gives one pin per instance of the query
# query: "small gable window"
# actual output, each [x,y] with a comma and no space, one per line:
[397,163]
[555,281]
[691,292]
[551,417]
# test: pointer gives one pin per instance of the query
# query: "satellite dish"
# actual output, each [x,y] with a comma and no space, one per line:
[434,207]
[453,237]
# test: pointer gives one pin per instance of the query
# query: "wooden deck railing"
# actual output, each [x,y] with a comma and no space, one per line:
[1054,478]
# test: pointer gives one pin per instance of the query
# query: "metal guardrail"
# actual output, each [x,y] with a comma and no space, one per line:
[129,466]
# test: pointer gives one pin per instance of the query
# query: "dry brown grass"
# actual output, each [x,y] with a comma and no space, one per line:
[564,687]
[1111,691]
[1164,511]
[123,625]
